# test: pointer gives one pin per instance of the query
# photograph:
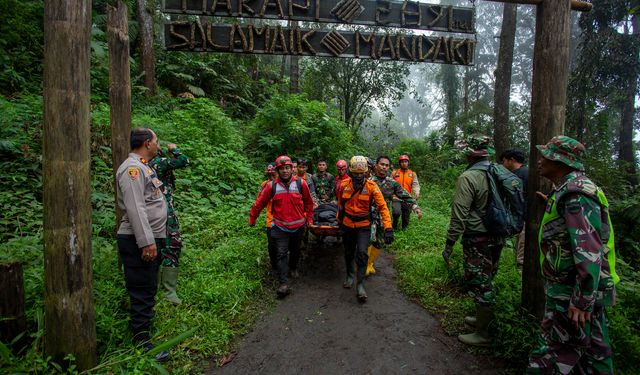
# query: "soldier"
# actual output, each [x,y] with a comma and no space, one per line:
[578,266]
[356,195]
[325,183]
[142,232]
[408,179]
[170,252]
[513,160]
[292,210]
[389,188]
[480,248]
[303,167]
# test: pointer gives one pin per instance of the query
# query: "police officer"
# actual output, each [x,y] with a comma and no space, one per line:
[578,267]
[142,232]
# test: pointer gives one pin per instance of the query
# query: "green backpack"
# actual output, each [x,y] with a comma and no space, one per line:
[506,205]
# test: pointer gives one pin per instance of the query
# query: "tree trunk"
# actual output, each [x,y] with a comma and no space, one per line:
[119,88]
[450,87]
[68,294]
[627,156]
[294,70]
[501,136]
[12,318]
[147,56]
[548,101]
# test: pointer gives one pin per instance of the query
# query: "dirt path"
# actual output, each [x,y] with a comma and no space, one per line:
[322,329]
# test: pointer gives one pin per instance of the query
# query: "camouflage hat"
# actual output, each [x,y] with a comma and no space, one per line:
[565,150]
[477,145]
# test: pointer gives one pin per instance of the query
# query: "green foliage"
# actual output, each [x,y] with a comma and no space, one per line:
[291,125]
[21,45]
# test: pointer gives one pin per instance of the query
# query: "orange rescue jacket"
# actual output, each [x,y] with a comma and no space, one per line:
[269,214]
[354,207]
[404,178]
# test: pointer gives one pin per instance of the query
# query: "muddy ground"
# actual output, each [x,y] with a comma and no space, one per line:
[322,329]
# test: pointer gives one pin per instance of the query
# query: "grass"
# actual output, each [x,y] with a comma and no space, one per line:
[424,277]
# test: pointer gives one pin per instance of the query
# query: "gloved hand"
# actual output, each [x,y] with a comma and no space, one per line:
[388,236]
[252,221]
[448,250]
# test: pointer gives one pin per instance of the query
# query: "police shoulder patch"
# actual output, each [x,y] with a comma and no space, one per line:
[133,173]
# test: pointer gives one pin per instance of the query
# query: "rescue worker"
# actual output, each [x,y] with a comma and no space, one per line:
[270,174]
[303,167]
[326,183]
[170,252]
[292,210]
[355,198]
[408,179]
[481,249]
[341,167]
[577,261]
[513,160]
[142,232]
[389,188]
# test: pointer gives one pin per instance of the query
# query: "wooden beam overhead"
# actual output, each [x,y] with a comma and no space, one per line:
[581,6]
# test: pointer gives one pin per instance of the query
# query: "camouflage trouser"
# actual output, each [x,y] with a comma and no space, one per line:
[173,243]
[377,232]
[565,347]
[481,256]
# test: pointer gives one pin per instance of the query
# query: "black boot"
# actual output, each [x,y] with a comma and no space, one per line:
[361,293]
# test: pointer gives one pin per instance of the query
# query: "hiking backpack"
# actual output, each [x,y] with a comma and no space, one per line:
[505,209]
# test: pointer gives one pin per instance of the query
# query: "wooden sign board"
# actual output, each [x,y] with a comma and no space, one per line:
[404,14]
[207,37]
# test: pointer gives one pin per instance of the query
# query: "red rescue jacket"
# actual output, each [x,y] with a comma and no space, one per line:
[290,208]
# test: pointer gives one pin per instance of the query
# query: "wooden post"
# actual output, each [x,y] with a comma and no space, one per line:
[548,102]
[68,277]
[12,319]
[119,88]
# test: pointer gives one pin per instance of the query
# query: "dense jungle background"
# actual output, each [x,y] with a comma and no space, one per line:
[232,114]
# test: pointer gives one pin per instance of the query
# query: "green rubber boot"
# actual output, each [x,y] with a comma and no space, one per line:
[481,337]
[470,321]
[169,282]
[361,293]
[348,281]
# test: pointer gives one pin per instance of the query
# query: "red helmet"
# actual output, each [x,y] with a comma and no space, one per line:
[283,160]
[341,164]
[403,157]
[270,168]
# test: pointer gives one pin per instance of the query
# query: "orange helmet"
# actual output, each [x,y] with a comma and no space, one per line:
[341,164]
[282,161]
[403,157]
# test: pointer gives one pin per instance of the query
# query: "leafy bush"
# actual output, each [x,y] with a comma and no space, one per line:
[291,125]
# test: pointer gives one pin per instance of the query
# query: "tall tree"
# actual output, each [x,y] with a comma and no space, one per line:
[144,9]
[356,86]
[68,296]
[451,88]
[626,152]
[502,93]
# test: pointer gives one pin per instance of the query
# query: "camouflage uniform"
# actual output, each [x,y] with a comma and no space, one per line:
[481,250]
[388,187]
[577,260]
[164,168]
[325,187]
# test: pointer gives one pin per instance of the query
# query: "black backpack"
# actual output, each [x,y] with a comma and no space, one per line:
[506,205]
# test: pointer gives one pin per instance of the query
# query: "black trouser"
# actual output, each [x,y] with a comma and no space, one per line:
[273,256]
[401,208]
[287,248]
[141,279]
[356,243]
